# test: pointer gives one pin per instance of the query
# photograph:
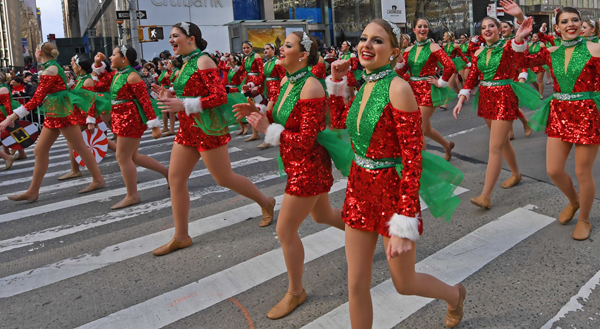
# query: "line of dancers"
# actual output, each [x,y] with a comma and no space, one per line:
[307,116]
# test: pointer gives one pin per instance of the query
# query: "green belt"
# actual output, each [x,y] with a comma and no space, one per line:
[373,164]
[496,83]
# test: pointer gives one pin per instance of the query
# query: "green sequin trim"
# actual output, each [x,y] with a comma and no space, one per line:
[592,39]
[281,115]
[61,72]
[535,48]
[119,80]
[81,80]
[416,64]
[379,98]
[269,66]
[347,55]
[248,63]
[190,66]
[489,68]
[566,80]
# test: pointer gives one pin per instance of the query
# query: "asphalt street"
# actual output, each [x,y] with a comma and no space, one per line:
[68,261]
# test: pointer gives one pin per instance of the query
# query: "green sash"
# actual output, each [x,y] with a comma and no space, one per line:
[118,81]
[248,63]
[269,66]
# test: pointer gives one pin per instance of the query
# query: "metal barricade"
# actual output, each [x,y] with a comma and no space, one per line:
[33,116]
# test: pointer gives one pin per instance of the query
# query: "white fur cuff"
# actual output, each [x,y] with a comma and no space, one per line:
[352,55]
[519,48]
[155,75]
[235,69]
[337,88]
[475,39]
[223,58]
[251,84]
[95,78]
[399,66]
[465,92]
[21,111]
[442,83]
[70,84]
[100,70]
[262,108]
[154,123]
[404,227]
[469,65]
[192,105]
[171,90]
[91,120]
[523,75]
[273,134]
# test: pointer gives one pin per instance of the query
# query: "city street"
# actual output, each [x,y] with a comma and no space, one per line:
[68,261]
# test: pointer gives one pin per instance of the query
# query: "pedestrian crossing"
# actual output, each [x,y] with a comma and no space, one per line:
[47,283]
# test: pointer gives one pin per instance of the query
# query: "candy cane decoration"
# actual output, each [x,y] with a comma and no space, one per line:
[96,142]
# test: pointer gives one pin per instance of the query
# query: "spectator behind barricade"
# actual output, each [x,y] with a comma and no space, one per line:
[148,79]
[30,82]
[151,69]
[18,89]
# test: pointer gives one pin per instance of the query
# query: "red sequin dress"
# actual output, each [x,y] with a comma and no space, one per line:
[125,118]
[256,75]
[6,102]
[78,116]
[206,84]
[496,102]
[571,121]
[422,89]
[49,84]
[306,162]
[319,71]
[232,82]
[374,196]
[273,81]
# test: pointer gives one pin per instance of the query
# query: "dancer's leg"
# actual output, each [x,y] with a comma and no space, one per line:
[126,148]
[498,142]
[147,162]
[323,213]
[179,174]
[557,152]
[585,156]
[360,247]
[426,113]
[540,82]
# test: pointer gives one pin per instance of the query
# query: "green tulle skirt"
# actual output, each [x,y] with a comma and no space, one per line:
[441,96]
[539,120]
[215,121]
[459,64]
[337,144]
[60,104]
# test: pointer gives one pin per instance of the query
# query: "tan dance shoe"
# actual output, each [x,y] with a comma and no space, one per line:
[69,175]
[453,317]
[567,214]
[512,181]
[582,230]
[482,202]
[23,197]
[173,245]
[268,213]
[449,152]
[528,130]
[287,305]
[263,146]
[9,162]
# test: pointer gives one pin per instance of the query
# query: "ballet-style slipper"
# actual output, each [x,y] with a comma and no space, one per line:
[23,197]
[528,130]
[567,214]
[449,152]
[125,203]
[9,162]
[286,305]
[252,138]
[582,230]
[268,213]
[93,186]
[69,175]
[512,181]
[173,245]
[453,317]
[263,146]
[482,202]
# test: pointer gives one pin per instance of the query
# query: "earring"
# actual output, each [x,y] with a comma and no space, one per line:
[189,43]
[299,59]
[123,62]
[392,58]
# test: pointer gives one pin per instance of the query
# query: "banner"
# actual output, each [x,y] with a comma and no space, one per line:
[261,36]
[394,10]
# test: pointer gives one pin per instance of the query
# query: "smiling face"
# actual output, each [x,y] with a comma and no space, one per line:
[345,46]
[535,38]
[291,51]
[569,25]
[181,43]
[507,30]
[421,30]
[375,47]
[463,39]
[490,31]
[246,48]
[231,61]
[587,30]
[117,61]
[269,52]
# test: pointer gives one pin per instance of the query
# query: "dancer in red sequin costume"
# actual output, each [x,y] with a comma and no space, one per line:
[274,72]
[199,90]
[130,100]
[423,77]
[378,200]
[572,115]
[255,78]
[164,80]
[51,82]
[293,122]
[6,110]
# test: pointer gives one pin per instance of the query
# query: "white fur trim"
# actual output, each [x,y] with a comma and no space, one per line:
[251,84]
[99,70]
[519,48]
[399,66]
[262,108]
[155,75]
[223,58]
[469,65]
[404,227]
[192,105]
[154,123]
[352,55]
[95,78]
[475,39]
[21,111]
[91,120]
[235,69]
[523,75]
[543,29]
[465,92]
[442,83]
[337,88]
[277,62]
[171,90]
[273,134]
[70,84]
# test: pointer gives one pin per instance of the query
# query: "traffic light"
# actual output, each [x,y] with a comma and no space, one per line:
[156,33]
[141,34]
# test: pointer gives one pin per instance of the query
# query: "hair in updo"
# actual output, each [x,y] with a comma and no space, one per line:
[48,49]
[194,32]
[85,63]
[594,24]
[177,62]
[237,59]
[451,36]
[313,52]
[567,10]
[2,77]
[131,55]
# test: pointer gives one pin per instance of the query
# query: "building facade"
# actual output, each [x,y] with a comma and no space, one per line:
[20,32]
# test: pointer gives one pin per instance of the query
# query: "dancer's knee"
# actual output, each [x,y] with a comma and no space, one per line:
[226,180]
[285,233]
[555,172]
[404,286]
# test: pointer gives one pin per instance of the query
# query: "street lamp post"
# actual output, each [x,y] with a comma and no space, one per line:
[135,41]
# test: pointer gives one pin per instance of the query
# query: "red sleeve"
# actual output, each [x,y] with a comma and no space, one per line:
[546,38]
[217,94]
[313,114]
[459,52]
[527,60]
[319,71]
[410,137]
[104,81]
[41,92]
[474,74]
[404,69]
[473,47]
[5,101]
[166,80]
[338,111]
[353,63]
[140,92]
[447,63]
[270,115]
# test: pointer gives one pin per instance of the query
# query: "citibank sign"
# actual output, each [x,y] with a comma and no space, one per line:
[189,3]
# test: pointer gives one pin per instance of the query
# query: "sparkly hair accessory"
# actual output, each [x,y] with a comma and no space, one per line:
[396,31]
[186,27]
[348,42]
[250,43]
[593,23]
[271,45]
[306,42]
[123,50]
[77,60]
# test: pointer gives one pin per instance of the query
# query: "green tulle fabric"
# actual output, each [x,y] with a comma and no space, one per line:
[539,120]
[441,96]
[60,104]
[459,63]
[528,97]
[216,121]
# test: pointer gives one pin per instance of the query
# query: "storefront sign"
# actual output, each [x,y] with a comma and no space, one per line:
[394,10]
[189,3]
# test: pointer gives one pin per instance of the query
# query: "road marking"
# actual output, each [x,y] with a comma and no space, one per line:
[33,279]
[466,131]
[573,305]
[452,265]
[87,180]
[219,286]
[103,195]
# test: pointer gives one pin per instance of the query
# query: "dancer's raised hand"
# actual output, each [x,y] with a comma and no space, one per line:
[524,30]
